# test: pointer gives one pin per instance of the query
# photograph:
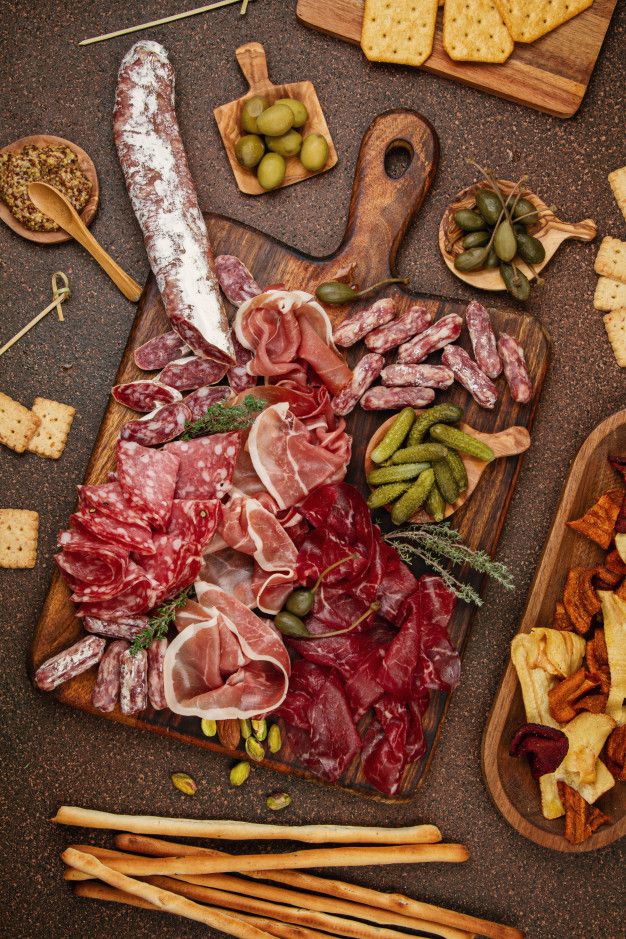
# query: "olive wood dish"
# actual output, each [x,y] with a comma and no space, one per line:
[86,165]
[550,231]
[512,788]
[509,442]
[253,64]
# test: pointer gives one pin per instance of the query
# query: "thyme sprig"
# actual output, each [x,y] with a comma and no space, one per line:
[159,622]
[436,544]
[221,417]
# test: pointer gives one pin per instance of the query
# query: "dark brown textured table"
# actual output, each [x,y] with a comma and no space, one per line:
[52,755]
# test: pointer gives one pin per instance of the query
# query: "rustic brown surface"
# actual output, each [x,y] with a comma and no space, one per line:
[53,754]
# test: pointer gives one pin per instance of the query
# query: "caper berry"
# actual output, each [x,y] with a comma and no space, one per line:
[492,258]
[504,241]
[489,205]
[471,260]
[516,282]
[290,625]
[530,249]
[526,208]
[468,220]
[300,602]
[476,239]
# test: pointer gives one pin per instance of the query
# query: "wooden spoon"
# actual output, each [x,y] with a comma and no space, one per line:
[510,442]
[54,204]
[550,231]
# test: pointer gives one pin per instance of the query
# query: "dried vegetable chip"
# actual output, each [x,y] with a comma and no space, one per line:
[561,620]
[598,522]
[545,747]
[578,692]
[616,753]
[580,599]
[581,819]
[597,659]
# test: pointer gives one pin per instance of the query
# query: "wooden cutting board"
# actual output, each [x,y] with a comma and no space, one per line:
[380,211]
[551,74]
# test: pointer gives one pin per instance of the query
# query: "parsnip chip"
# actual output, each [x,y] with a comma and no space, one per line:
[614,612]
[401,31]
[527,20]
[609,295]
[598,522]
[580,598]
[617,182]
[475,32]
[611,259]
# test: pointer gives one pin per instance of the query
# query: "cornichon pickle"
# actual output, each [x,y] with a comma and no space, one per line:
[250,112]
[458,440]
[471,260]
[516,281]
[456,464]
[395,474]
[468,220]
[446,482]
[435,504]
[408,504]
[504,241]
[394,437]
[439,414]
[476,239]
[386,494]
[530,249]
[527,209]
[489,205]
[421,453]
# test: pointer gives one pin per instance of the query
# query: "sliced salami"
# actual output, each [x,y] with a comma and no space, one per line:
[191,372]
[199,402]
[134,581]
[156,687]
[71,662]
[148,479]
[416,319]
[235,279]
[388,399]
[422,376]
[89,560]
[363,321]
[364,374]
[515,369]
[238,376]
[470,377]
[107,687]
[158,352]
[109,498]
[161,425]
[483,339]
[207,465]
[195,520]
[133,682]
[140,597]
[144,395]
[127,628]
[115,531]
[444,331]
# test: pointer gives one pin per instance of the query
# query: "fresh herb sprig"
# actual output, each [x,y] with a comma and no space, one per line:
[159,622]
[221,417]
[436,544]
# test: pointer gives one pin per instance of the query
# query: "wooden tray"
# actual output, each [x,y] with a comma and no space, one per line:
[512,787]
[551,74]
[380,210]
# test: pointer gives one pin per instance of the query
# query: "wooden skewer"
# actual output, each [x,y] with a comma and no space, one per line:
[59,295]
[245,831]
[163,21]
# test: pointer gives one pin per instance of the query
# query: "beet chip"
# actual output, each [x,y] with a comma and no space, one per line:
[545,747]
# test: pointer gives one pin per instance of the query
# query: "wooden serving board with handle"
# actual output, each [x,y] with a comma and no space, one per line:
[512,787]
[380,211]
[550,75]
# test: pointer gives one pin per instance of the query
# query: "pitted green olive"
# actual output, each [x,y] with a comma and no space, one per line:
[300,113]
[271,171]
[275,121]
[314,152]
[250,112]
[288,145]
[249,149]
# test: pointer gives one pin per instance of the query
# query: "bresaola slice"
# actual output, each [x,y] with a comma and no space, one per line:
[148,480]
[206,465]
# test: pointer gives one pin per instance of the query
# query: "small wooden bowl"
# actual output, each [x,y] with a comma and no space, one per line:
[253,64]
[86,165]
[550,230]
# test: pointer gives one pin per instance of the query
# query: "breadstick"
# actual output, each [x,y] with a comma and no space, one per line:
[245,831]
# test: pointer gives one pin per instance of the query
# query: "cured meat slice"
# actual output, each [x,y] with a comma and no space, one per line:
[226,662]
[133,682]
[70,662]
[115,531]
[163,424]
[148,480]
[138,598]
[422,376]
[239,378]
[163,196]
[363,321]
[191,372]
[144,395]
[235,279]
[390,399]
[365,374]
[109,498]
[445,330]
[233,572]
[384,755]
[88,560]
[157,352]
[515,370]
[178,557]
[107,687]
[483,339]
[156,688]
[470,377]
[416,319]
[199,402]
[127,628]
[206,465]
[134,581]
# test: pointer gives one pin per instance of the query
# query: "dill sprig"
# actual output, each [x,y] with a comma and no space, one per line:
[221,417]
[436,544]
[160,621]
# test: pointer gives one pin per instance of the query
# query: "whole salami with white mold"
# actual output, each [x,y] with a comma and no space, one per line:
[515,369]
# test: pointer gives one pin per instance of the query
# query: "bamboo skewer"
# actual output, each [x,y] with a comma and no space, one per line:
[164,20]
[59,295]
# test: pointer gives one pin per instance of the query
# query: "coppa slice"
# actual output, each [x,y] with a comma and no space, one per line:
[148,480]
[207,465]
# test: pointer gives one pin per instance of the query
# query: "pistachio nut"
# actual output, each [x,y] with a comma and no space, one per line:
[239,773]
[184,783]
[278,801]
[274,739]
[245,726]
[208,728]
[259,728]
[254,750]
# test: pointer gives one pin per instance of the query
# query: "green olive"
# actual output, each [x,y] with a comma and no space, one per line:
[300,602]
[250,112]
[492,258]
[527,209]
[489,205]
[504,241]
[288,145]
[530,249]
[300,113]
[249,149]
[516,282]
[314,153]
[275,121]
[476,239]
[471,260]
[271,171]
[468,220]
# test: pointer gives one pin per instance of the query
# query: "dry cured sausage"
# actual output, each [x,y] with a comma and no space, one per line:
[133,682]
[156,688]
[483,339]
[107,687]
[515,370]
[445,330]
[199,402]
[390,399]
[70,662]
[364,374]
[191,372]
[363,321]
[163,424]
[127,628]
[470,377]
[422,376]
[235,279]
[157,352]
[144,395]
[416,319]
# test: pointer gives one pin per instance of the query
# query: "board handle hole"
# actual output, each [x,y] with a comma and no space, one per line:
[398,158]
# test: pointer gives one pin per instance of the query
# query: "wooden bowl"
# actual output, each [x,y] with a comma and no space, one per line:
[550,231]
[86,165]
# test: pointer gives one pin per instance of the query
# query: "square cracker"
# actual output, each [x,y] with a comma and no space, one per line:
[475,32]
[527,20]
[399,31]
[617,182]
[615,323]
[17,424]
[18,538]
[56,420]
[609,295]
[611,259]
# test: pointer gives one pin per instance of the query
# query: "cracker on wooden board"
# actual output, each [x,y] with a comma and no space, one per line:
[17,424]
[400,31]
[611,259]
[475,32]
[18,538]
[527,20]
[609,294]
[615,323]
[617,182]
[56,421]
